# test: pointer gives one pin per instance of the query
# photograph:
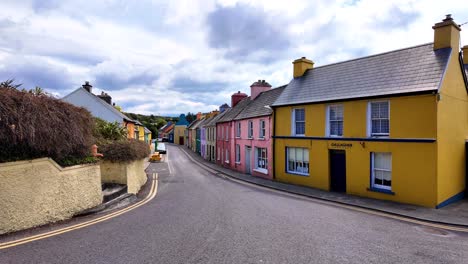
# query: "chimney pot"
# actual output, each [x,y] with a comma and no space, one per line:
[448,17]
[88,87]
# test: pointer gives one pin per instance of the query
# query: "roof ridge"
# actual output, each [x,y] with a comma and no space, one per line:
[373,55]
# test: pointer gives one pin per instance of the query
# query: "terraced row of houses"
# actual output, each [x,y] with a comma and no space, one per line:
[391,126]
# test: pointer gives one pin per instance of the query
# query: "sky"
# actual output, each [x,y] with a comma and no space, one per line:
[171,57]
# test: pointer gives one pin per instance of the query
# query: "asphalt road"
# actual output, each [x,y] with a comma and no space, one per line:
[198,217]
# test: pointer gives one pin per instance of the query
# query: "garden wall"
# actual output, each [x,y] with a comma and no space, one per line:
[39,191]
[131,173]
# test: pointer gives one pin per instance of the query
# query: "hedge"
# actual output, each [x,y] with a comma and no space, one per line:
[36,125]
[124,151]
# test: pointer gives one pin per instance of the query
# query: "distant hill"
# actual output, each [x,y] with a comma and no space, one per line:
[151,122]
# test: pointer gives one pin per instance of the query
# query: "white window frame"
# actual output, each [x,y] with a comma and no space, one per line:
[293,124]
[250,130]
[261,164]
[227,156]
[238,154]
[238,129]
[303,161]
[262,129]
[369,120]
[373,170]
[328,126]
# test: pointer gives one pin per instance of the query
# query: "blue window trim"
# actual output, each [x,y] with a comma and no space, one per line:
[373,189]
[452,199]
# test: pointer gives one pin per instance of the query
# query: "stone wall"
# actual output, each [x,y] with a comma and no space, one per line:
[130,173]
[37,192]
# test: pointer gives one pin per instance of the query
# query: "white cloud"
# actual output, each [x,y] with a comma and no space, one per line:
[139,51]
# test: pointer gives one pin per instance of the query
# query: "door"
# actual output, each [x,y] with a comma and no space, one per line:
[337,170]
[248,151]
[181,140]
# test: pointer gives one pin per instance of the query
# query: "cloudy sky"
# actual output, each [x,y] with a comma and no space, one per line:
[167,57]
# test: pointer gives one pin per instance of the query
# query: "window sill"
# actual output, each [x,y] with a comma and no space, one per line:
[298,173]
[297,135]
[262,138]
[226,161]
[250,138]
[263,171]
[238,162]
[373,189]
[379,136]
[238,137]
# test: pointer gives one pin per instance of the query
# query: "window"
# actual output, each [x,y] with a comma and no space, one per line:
[227,156]
[227,133]
[238,130]
[298,160]
[219,153]
[381,167]
[379,119]
[238,158]
[262,129]
[250,134]
[261,158]
[299,122]
[335,120]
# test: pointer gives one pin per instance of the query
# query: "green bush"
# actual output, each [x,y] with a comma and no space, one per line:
[35,125]
[124,151]
[105,131]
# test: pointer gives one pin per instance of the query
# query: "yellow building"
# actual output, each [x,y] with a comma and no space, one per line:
[392,126]
[179,130]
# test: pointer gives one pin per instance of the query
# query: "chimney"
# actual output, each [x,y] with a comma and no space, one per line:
[258,87]
[199,115]
[236,98]
[447,34]
[105,97]
[465,54]
[301,66]
[88,87]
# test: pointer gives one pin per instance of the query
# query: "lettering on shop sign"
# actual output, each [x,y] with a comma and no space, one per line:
[341,145]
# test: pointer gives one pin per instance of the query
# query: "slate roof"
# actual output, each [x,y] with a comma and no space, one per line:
[234,111]
[414,69]
[212,121]
[198,124]
[190,126]
[257,106]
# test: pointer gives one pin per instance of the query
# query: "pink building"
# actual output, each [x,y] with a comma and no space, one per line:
[253,129]
[224,129]
[247,146]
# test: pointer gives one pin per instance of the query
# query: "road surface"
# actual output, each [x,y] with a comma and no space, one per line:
[199,217]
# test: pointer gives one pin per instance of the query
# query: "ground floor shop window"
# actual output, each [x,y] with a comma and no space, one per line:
[381,167]
[298,160]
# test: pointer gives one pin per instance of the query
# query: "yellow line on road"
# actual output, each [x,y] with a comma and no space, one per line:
[149,197]
[340,205]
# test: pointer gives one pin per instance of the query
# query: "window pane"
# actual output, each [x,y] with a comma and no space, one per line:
[292,153]
[306,155]
[384,110]
[299,114]
[300,128]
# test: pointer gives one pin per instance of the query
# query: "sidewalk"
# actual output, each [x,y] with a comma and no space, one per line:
[453,214]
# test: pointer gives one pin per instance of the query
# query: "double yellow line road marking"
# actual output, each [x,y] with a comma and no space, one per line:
[149,197]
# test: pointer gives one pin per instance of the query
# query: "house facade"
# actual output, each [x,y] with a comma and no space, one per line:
[392,126]
[225,129]
[101,106]
[252,139]
[210,136]
[179,130]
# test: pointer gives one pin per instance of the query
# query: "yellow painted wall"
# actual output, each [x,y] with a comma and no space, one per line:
[130,173]
[37,192]
[141,133]
[415,115]
[413,164]
[179,131]
[130,130]
[452,117]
